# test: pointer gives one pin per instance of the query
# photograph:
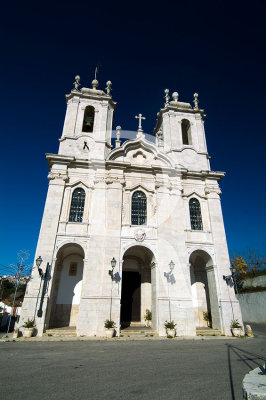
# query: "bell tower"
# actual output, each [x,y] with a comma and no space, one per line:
[180,133]
[88,122]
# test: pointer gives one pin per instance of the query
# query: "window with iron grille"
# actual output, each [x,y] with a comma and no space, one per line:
[138,208]
[195,214]
[77,205]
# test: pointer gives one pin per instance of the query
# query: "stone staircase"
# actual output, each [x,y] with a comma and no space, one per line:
[68,331]
[138,331]
[208,332]
[134,330]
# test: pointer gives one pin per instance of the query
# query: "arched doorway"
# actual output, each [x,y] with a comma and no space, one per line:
[67,283]
[138,281]
[204,291]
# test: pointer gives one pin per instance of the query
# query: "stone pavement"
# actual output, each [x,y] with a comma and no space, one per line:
[64,368]
[157,369]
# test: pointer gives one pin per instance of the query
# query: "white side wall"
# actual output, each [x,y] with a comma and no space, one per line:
[253,306]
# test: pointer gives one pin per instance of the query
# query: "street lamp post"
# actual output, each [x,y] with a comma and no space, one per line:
[44,279]
[228,279]
[168,276]
[38,262]
[111,273]
[233,273]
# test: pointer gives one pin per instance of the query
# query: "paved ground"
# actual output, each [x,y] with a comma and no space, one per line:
[149,369]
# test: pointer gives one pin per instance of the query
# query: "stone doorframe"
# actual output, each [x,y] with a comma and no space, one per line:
[145,250]
[212,285]
[56,267]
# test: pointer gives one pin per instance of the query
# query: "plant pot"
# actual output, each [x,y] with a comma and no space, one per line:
[15,333]
[170,332]
[109,333]
[28,332]
[237,332]
[148,323]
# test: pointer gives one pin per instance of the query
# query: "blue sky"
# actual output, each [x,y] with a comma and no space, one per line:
[214,48]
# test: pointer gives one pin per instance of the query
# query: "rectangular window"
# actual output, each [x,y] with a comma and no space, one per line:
[73,269]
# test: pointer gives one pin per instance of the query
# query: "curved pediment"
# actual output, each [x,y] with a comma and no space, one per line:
[140,152]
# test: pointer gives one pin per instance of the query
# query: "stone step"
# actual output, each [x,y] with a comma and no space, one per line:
[67,331]
[138,331]
[208,332]
[138,335]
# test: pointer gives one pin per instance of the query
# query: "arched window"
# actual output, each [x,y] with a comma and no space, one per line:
[195,214]
[139,208]
[186,131]
[77,205]
[88,120]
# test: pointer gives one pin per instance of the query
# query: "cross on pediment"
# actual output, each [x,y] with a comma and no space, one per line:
[140,117]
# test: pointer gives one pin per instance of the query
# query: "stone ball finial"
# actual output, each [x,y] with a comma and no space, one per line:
[175,96]
[95,84]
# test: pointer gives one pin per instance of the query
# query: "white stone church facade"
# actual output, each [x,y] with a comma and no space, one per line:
[141,203]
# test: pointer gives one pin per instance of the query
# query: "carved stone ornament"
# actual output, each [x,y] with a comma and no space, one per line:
[139,235]
[213,189]
[57,175]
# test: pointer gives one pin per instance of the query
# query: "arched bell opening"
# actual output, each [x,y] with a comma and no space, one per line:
[66,288]
[138,286]
[204,291]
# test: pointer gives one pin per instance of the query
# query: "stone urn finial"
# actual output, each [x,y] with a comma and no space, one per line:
[118,129]
[108,87]
[118,141]
[196,101]
[167,97]
[76,83]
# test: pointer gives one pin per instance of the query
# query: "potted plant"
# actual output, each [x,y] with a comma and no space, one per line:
[28,328]
[109,328]
[208,318]
[236,328]
[170,328]
[148,318]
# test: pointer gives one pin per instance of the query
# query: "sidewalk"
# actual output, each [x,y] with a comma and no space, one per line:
[9,338]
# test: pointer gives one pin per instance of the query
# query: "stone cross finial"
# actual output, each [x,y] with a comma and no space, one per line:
[118,141]
[108,88]
[140,130]
[76,83]
[196,101]
[140,117]
[175,97]
[167,97]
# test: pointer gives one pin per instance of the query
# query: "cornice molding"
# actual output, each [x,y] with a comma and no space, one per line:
[98,95]
[203,174]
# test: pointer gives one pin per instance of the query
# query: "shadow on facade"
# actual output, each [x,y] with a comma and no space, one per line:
[66,287]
